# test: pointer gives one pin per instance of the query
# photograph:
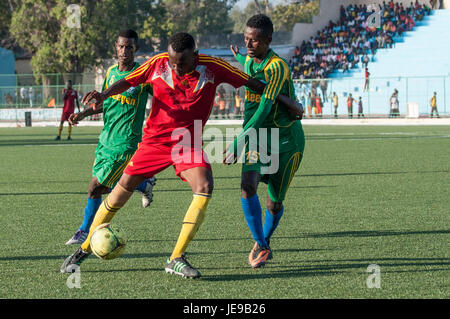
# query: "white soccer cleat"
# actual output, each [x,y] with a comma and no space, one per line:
[78,238]
[147,195]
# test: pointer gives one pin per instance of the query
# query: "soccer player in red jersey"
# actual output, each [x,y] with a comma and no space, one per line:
[184,85]
[69,96]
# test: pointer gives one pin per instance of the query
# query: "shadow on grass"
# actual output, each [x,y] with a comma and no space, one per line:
[327,175]
[373,233]
[383,137]
[372,173]
[277,271]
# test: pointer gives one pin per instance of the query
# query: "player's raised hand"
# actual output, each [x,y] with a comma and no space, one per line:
[94,95]
[234,49]
[74,118]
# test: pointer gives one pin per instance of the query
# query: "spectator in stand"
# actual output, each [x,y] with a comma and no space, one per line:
[23,95]
[309,104]
[318,111]
[335,103]
[215,111]
[238,107]
[394,104]
[31,95]
[340,45]
[433,4]
[222,102]
[323,87]
[360,108]
[8,99]
[433,104]
[366,82]
[350,101]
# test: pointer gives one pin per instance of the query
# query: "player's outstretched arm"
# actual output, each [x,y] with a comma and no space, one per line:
[295,108]
[118,87]
[75,118]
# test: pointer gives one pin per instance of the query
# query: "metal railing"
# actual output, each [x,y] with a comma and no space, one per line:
[45,101]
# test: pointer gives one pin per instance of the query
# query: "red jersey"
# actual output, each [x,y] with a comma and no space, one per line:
[179,101]
[69,101]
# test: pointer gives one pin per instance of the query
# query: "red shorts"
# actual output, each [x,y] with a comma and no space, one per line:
[150,159]
[65,116]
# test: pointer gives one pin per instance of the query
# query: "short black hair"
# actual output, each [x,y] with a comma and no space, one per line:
[261,22]
[181,41]
[129,34]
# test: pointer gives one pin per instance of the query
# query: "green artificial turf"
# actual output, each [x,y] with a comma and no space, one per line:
[363,195]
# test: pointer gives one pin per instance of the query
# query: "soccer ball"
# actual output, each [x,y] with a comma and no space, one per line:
[107,241]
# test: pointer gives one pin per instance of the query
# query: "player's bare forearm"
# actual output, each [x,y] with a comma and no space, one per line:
[294,107]
[90,111]
[74,118]
[118,87]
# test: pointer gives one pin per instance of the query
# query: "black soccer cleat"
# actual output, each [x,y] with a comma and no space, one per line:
[73,261]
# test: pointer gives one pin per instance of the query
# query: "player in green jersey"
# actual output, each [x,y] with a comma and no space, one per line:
[123,117]
[278,140]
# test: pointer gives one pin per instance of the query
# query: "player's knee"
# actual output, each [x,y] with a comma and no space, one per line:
[248,189]
[204,187]
[96,190]
[273,207]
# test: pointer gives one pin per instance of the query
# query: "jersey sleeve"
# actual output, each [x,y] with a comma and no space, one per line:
[229,74]
[142,74]
[276,74]
[240,58]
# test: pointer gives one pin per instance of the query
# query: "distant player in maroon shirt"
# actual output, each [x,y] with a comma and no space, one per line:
[69,96]
[184,85]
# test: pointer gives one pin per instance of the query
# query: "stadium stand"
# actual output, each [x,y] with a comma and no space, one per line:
[416,65]
[343,45]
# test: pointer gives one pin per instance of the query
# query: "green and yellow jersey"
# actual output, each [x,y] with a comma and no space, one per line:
[123,114]
[263,111]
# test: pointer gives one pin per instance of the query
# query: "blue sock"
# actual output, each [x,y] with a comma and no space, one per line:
[89,213]
[271,223]
[253,217]
[141,186]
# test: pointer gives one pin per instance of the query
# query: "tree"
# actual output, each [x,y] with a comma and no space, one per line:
[197,17]
[239,18]
[41,28]
[286,15]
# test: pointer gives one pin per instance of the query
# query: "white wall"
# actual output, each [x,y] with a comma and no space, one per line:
[329,10]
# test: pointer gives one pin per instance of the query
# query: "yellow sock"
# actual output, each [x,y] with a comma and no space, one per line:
[105,213]
[60,129]
[192,220]
[69,130]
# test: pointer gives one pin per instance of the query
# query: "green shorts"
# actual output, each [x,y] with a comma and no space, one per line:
[277,176]
[109,165]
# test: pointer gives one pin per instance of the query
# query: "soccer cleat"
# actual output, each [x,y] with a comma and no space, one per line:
[78,238]
[253,253]
[147,194]
[180,266]
[57,138]
[69,138]
[73,261]
[259,256]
